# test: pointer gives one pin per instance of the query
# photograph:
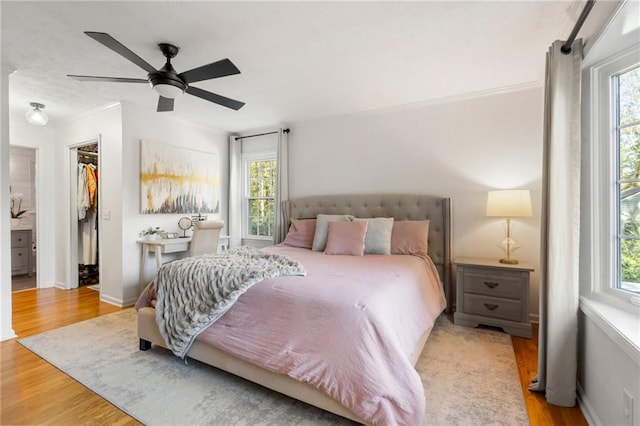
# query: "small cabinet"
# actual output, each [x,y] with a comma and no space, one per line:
[21,252]
[491,293]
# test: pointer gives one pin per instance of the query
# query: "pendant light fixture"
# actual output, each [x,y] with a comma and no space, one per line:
[36,116]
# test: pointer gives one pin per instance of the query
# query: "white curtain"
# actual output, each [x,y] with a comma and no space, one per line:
[235,193]
[282,191]
[560,230]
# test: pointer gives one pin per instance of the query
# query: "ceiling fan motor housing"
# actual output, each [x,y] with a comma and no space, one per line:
[167,74]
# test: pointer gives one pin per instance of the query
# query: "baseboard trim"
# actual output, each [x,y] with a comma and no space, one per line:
[587,409]
[10,334]
[111,300]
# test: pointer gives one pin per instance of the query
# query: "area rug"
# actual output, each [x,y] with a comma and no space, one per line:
[470,378]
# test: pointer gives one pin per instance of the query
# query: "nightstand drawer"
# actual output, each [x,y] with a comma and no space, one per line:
[493,307]
[19,258]
[505,284]
[19,239]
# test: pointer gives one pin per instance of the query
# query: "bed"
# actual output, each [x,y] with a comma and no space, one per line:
[227,345]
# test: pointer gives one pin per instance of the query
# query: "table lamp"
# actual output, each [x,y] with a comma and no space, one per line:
[509,203]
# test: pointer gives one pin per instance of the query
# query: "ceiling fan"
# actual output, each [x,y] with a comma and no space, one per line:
[166,81]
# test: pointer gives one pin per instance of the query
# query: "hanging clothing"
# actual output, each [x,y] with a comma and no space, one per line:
[88,240]
[92,186]
[87,206]
[83,192]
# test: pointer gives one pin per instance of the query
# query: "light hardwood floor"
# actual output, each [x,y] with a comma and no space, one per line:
[34,392]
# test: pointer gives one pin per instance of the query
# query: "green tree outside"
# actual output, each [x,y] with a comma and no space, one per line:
[262,192]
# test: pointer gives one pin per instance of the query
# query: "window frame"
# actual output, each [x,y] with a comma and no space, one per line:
[604,256]
[248,158]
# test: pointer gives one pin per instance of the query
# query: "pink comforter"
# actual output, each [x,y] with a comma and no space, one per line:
[348,328]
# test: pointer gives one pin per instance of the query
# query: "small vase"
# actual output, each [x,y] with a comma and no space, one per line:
[15,222]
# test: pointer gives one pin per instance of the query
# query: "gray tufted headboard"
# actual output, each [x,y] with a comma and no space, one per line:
[399,206]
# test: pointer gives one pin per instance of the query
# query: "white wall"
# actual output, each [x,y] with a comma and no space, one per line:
[6,330]
[159,128]
[105,124]
[605,367]
[121,127]
[460,148]
[604,371]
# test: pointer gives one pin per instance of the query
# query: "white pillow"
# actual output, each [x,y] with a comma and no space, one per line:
[322,228]
[378,237]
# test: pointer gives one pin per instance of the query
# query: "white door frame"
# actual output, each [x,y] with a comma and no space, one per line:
[72,267]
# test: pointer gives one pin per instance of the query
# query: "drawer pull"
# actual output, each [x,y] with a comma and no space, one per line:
[491,284]
[19,254]
[491,306]
[19,240]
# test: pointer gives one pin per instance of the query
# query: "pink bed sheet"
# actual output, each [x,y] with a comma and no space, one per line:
[349,328]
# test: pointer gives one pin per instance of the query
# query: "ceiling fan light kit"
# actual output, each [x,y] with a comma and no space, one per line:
[166,81]
[36,116]
[168,90]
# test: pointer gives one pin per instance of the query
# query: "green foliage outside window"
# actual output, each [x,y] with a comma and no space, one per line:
[629,179]
[261,200]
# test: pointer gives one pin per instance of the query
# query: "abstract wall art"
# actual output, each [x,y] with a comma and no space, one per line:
[178,180]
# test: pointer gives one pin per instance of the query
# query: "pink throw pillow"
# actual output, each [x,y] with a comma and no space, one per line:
[410,237]
[301,233]
[346,238]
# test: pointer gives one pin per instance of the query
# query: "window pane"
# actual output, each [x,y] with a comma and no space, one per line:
[630,153]
[630,210]
[262,178]
[628,104]
[260,199]
[261,217]
[629,89]
[630,265]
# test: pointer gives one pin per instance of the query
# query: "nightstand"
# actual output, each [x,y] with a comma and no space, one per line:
[21,259]
[492,293]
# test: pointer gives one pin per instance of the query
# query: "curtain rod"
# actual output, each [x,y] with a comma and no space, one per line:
[566,47]
[261,134]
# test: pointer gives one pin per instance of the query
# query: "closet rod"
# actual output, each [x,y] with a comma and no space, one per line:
[87,153]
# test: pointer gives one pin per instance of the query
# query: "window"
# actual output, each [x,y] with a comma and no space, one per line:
[626,102]
[259,204]
[615,180]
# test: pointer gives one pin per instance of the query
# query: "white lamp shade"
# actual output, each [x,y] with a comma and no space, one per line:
[168,90]
[509,203]
[37,117]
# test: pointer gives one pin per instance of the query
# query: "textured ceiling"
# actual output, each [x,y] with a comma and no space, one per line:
[298,60]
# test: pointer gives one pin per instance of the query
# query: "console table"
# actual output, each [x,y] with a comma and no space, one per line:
[168,245]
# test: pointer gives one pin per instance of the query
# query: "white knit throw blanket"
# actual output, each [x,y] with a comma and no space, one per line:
[194,292]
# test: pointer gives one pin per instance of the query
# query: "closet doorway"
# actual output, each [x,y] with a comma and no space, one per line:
[85,265]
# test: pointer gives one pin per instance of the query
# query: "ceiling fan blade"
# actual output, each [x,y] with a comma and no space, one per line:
[107,79]
[120,49]
[212,97]
[165,104]
[217,69]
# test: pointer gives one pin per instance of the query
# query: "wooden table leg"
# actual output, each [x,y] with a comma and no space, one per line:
[158,257]
[143,265]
